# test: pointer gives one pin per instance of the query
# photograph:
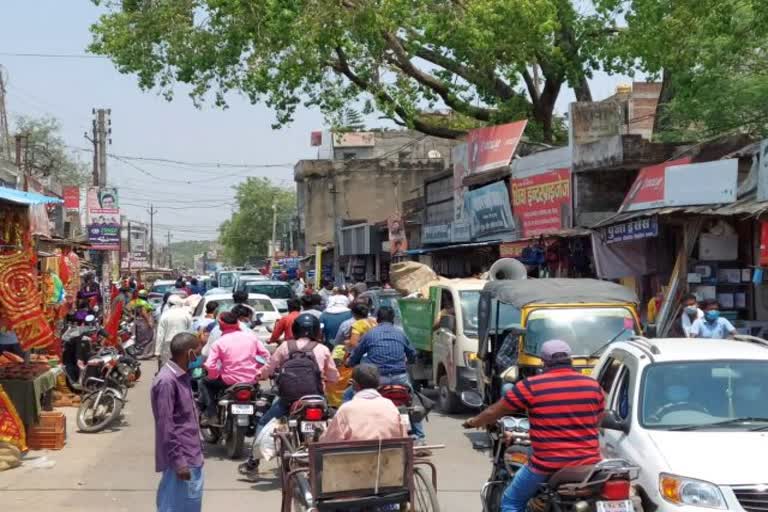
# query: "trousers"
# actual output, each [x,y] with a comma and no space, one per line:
[209,390]
[522,488]
[174,495]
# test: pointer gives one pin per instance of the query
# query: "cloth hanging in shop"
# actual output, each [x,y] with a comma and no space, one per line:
[11,427]
[616,261]
[38,220]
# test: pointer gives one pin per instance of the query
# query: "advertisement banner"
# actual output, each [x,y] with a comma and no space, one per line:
[493,147]
[648,189]
[103,218]
[436,233]
[460,170]
[488,210]
[397,240]
[632,230]
[764,244]
[542,203]
[71,198]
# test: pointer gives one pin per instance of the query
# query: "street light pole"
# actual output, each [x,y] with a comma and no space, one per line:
[274,230]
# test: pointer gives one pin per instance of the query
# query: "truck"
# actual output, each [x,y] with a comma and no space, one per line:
[443,329]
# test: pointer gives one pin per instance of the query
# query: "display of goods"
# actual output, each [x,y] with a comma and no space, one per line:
[10,456]
[11,428]
[23,371]
[409,276]
[50,433]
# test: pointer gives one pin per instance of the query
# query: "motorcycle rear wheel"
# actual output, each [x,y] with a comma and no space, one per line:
[101,415]
[235,440]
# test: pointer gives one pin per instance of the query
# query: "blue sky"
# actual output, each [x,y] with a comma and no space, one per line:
[144,124]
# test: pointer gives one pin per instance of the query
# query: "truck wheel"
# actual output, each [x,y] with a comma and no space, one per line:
[447,400]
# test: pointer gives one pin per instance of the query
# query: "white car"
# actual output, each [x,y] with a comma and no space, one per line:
[261,304]
[693,414]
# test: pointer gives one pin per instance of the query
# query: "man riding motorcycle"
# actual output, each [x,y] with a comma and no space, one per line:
[564,408]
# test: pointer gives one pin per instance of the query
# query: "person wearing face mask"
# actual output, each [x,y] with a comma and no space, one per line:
[712,325]
[178,448]
[691,313]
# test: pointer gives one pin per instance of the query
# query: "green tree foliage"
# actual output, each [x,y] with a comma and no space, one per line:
[492,61]
[247,233]
[711,55]
[48,154]
[184,251]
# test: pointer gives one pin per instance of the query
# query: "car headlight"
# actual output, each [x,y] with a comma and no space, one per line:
[687,491]
[470,359]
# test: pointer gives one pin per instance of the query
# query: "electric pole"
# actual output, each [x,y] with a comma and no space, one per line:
[5,138]
[128,255]
[274,231]
[152,211]
[170,256]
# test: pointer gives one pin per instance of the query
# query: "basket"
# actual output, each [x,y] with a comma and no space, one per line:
[50,433]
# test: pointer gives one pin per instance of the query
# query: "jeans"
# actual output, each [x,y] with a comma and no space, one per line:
[402,378]
[522,488]
[208,393]
[278,409]
[174,495]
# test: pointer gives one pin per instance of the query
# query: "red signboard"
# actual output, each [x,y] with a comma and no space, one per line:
[764,244]
[493,147]
[316,138]
[71,198]
[648,189]
[542,203]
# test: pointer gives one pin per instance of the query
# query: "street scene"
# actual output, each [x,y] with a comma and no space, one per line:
[489,255]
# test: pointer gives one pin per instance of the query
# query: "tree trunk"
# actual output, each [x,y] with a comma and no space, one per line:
[661,121]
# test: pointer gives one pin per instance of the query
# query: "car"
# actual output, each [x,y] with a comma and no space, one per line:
[161,286]
[218,291]
[693,413]
[279,291]
[377,297]
[260,303]
[248,275]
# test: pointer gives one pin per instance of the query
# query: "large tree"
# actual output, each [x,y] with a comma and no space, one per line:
[711,54]
[47,154]
[246,235]
[490,61]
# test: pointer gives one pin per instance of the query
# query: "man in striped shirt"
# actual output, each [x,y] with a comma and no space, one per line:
[564,408]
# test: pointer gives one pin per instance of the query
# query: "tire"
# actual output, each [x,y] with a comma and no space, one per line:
[297,503]
[211,435]
[424,496]
[109,409]
[447,400]
[235,441]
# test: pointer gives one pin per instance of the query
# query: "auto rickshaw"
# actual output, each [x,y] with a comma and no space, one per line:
[586,313]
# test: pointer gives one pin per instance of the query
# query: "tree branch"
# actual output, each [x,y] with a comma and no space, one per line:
[533,90]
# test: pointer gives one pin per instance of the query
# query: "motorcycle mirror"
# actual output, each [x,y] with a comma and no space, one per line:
[260,360]
[472,399]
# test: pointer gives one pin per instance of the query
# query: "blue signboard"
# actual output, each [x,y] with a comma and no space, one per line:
[647,227]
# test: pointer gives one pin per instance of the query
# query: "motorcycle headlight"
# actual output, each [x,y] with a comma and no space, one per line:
[687,491]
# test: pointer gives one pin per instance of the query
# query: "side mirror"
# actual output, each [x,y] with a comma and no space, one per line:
[611,421]
[472,399]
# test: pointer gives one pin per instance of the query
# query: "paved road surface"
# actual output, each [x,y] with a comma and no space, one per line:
[113,471]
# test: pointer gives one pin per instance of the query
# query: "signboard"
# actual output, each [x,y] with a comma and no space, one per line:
[103,218]
[316,138]
[460,170]
[354,140]
[512,249]
[436,233]
[488,210]
[632,230]
[493,147]
[764,244]
[397,240]
[648,189]
[461,232]
[71,198]
[542,203]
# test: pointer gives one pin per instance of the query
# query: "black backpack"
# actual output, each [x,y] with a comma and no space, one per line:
[300,375]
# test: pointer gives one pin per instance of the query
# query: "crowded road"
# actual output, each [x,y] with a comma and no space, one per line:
[113,471]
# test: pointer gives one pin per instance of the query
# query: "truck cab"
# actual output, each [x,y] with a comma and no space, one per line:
[444,330]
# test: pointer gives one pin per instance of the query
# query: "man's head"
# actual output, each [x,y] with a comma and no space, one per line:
[711,310]
[555,353]
[211,307]
[293,305]
[306,326]
[689,300]
[328,285]
[193,281]
[107,201]
[365,376]
[243,313]
[385,314]
[240,297]
[227,321]
[359,311]
[184,348]
[317,301]
[306,302]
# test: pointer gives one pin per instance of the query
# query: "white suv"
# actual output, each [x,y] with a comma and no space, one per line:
[693,414]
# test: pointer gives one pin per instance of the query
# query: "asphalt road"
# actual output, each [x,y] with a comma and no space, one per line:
[113,471]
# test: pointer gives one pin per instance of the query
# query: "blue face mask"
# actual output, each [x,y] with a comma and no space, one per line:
[712,315]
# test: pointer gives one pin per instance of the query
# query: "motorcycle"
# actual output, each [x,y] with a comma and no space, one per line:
[402,397]
[307,419]
[104,381]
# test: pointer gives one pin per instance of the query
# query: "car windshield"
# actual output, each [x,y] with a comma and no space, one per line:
[227,279]
[275,291]
[258,305]
[586,330]
[705,395]
[470,300]
[162,288]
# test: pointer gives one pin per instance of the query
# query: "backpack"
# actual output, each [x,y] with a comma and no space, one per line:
[300,375]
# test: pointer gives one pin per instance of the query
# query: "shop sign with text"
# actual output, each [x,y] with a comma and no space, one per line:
[103,218]
[632,230]
[436,234]
[542,203]
[488,210]
[71,198]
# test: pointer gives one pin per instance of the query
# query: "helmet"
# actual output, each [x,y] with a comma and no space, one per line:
[143,294]
[306,326]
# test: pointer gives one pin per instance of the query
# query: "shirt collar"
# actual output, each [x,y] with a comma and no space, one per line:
[175,369]
[367,394]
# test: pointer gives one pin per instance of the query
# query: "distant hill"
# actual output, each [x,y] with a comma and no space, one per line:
[184,252]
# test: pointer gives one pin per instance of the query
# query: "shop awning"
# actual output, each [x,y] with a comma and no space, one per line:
[25,198]
[428,250]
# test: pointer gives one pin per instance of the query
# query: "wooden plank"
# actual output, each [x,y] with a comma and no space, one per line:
[359,470]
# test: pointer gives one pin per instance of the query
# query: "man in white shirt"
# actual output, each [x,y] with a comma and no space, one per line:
[691,313]
[175,319]
[712,326]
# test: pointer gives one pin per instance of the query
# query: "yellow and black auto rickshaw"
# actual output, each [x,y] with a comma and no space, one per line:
[587,313]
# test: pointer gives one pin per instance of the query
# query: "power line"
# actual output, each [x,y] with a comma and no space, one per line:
[190,163]
[43,55]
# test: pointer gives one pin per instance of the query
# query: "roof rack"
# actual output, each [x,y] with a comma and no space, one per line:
[645,343]
[751,339]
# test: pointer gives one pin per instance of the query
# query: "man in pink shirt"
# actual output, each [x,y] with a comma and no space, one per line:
[232,360]
[368,415]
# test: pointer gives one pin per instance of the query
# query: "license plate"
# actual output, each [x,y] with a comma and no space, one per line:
[309,427]
[242,409]
[615,506]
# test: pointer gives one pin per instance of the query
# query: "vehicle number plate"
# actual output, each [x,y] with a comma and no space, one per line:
[309,427]
[242,409]
[615,506]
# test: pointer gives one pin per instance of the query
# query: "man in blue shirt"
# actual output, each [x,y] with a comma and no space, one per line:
[388,348]
[712,326]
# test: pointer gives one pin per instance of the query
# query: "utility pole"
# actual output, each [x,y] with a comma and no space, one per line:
[170,256]
[22,159]
[274,230]
[128,255]
[5,138]
[152,211]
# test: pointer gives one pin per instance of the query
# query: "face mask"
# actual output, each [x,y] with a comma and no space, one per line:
[691,310]
[712,315]
[749,392]
[676,394]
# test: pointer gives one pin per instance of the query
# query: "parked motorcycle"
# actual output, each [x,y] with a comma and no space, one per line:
[104,381]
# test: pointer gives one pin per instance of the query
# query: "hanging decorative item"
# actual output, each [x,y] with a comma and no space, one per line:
[21,300]
[11,428]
